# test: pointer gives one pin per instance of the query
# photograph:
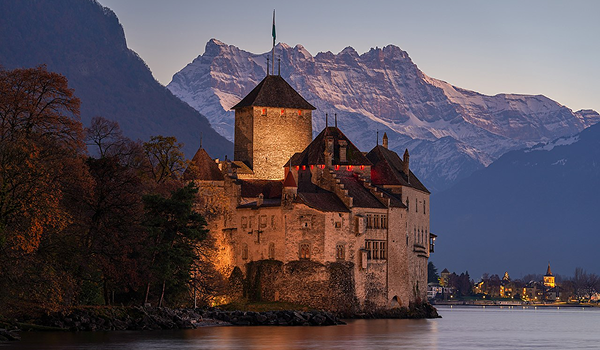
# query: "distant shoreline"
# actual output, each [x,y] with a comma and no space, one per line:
[500,303]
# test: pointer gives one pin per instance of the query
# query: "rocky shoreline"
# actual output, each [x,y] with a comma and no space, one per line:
[145,318]
[148,318]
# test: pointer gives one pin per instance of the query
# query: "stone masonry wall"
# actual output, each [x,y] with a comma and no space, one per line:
[328,286]
[276,137]
[418,233]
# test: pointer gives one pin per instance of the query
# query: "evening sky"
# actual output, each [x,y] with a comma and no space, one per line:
[512,46]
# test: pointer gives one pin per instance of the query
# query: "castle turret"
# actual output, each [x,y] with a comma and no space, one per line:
[272,123]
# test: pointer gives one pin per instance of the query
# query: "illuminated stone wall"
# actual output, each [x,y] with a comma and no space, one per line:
[267,141]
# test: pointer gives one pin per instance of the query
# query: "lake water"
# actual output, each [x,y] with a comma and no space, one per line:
[460,328]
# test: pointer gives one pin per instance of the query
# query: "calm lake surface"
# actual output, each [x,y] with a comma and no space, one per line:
[460,328]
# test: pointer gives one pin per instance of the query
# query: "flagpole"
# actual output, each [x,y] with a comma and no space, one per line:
[273,49]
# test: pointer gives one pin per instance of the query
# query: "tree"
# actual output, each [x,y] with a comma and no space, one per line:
[585,284]
[113,238]
[165,158]
[105,139]
[175,230]
[41,161]
[39,134]
[432,274]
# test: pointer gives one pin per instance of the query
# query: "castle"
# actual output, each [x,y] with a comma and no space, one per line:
[315,222]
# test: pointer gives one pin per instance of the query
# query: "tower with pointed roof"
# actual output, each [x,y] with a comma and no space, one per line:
[549,280]
[272,123]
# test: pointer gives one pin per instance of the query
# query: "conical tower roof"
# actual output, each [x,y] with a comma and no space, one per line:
[289,180]
[274,91]
[549,272]
[203,168]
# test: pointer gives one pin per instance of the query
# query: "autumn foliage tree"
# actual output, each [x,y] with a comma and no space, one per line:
[41,145]
[86,228]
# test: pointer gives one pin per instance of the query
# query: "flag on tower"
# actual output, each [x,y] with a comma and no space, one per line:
[274,28]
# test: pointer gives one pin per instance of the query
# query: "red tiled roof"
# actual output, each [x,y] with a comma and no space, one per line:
[269,188]
[289,180]
[203,167]
[314,154]
[323,201]
[361,196]
[387,170]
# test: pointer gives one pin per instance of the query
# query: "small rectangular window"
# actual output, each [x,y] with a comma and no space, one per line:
[263,221]
[264,112]
[244,251]
[244,222]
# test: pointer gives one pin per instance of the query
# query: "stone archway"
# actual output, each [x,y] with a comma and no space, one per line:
[396,302]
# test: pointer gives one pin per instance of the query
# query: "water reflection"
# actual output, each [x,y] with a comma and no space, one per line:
[460,328]
[358,334]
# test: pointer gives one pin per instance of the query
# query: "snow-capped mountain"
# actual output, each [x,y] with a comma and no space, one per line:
[449,131]
[527,208]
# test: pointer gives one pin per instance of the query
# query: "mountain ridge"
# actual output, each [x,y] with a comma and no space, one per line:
[84,41]
[382,89]
[529,207]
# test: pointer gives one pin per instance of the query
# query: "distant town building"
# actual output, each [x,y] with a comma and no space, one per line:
[549,278]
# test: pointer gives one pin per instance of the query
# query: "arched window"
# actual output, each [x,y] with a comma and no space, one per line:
[304,251]
[340,252]
[416,205]
[272,251]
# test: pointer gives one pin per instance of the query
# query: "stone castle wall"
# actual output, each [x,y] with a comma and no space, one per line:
[303,282]
[266,141]
[418,233]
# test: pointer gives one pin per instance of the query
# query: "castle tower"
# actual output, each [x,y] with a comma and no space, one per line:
[272,123]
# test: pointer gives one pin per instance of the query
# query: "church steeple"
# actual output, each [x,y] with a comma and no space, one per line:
[549,280]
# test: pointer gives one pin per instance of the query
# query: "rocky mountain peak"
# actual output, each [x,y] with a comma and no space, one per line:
[382,89]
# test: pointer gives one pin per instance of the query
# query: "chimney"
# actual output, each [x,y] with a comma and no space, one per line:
[405,167]
[343,144]
[329,151]
[385,140]
[259,200]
